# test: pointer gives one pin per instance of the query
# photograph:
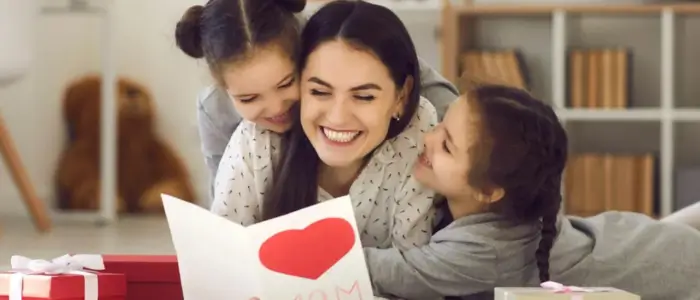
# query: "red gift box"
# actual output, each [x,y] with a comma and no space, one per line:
[147,276]
[64,286]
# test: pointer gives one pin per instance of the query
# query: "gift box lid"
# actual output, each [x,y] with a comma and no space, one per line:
[64,286]
[144,268]
[532,293]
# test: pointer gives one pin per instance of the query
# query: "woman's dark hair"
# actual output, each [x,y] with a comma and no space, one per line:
[226,31]
[523,149]
[367,27]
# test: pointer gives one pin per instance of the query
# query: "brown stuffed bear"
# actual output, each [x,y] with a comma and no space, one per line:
[146,166]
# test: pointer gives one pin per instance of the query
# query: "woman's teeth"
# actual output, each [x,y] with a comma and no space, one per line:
[340,136]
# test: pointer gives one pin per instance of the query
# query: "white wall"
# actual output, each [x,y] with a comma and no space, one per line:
[68,46]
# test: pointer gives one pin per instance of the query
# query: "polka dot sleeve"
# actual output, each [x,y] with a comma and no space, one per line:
[413,204]
[235,193]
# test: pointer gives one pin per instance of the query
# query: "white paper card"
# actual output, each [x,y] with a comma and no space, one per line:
[313,253]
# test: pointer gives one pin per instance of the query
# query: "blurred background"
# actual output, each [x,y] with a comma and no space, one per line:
[621,74]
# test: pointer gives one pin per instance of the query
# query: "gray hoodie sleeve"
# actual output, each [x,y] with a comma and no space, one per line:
[454,263]
[436,88]
[216,120]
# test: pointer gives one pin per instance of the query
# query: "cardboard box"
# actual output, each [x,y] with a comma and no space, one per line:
[65,286]
[147,276]
[520,293]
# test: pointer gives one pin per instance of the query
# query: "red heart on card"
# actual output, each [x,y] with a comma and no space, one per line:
[308,252]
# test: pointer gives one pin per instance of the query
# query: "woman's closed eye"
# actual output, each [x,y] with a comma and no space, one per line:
[320,93]
[364,97]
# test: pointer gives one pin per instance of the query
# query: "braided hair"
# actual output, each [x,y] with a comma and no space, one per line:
[524,152]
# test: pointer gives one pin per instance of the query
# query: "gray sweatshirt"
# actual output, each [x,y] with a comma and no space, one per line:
[217,119]
[475,254]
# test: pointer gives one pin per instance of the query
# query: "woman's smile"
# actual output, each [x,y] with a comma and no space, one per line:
[339,137]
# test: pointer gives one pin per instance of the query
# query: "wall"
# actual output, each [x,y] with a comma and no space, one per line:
[68,46]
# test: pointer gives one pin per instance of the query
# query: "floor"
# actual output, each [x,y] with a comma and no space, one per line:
[142,235]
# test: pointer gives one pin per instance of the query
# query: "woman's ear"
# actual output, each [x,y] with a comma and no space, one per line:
[493,196]
[496,195]
[403,95]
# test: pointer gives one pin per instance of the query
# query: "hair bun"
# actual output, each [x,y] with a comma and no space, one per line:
[188,33]
[293,6]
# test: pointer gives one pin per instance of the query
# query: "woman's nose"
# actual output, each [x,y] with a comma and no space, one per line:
[338,111]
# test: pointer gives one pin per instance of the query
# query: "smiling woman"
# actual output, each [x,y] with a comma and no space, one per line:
[347,114]
[361,125]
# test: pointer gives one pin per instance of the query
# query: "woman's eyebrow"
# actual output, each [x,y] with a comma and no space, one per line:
[366,86]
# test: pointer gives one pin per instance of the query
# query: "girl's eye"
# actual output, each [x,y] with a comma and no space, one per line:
[288,84]
[444,146]
[247,100]
[316,92]
[365,98]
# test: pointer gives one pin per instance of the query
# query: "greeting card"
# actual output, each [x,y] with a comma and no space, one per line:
[313,253]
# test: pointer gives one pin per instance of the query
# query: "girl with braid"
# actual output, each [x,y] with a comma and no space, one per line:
[498,159]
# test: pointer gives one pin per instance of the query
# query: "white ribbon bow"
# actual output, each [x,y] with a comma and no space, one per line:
[66,264]
[560,288]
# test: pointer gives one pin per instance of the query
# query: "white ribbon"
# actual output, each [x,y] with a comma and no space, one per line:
[560,288]
[67,264]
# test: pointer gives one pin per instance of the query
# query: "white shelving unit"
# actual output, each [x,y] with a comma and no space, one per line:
[667,114]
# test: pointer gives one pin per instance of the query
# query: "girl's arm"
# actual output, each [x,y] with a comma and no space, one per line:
[454,263]
[436,88]
[216,122]
[236,196]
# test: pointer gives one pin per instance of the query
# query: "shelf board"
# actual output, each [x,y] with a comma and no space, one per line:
[632,114]
[534,10]
[686,114]
[394,5]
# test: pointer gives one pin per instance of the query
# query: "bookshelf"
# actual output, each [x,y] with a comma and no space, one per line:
[659,120]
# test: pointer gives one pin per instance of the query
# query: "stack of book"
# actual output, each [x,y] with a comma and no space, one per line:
[504,66]
[599,78]
[595,183]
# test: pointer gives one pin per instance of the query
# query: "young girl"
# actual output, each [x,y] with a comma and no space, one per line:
[360,131]
[251,47]
[498,158]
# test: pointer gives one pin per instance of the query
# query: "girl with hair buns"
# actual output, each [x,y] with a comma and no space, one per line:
[498,159]
[251,48]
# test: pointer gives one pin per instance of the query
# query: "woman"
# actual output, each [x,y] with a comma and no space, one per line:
[360,131]
[498,157]
[251,47]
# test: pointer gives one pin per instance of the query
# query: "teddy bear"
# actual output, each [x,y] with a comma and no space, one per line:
[146,165]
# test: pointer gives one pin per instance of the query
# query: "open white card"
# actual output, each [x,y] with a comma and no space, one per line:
[313,253]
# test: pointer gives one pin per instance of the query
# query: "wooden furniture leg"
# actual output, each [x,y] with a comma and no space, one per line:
[19,174]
